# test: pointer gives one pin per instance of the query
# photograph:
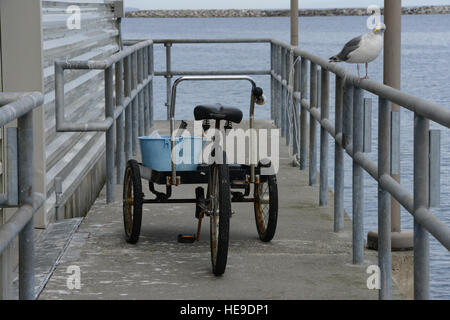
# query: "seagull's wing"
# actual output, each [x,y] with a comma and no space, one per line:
[349,47]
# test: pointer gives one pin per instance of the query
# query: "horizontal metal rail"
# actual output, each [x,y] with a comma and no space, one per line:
[128,105]
[20,106]
[201,41]
[169,73]
[215,73]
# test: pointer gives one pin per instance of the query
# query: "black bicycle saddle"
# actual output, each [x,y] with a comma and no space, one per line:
[217,112]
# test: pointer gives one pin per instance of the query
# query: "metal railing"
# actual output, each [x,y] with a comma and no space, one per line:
[128,100]
[291,95]
[20,106]
[348,133]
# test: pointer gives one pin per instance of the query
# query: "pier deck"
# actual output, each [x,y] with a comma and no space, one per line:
[305,260]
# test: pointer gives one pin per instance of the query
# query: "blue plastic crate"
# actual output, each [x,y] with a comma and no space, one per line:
[157,156]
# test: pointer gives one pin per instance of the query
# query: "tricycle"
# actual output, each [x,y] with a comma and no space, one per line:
[220,177]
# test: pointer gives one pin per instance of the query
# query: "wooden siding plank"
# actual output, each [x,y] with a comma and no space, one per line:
[72,155]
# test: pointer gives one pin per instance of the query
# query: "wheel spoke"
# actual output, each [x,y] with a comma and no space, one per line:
[129,204]
[263,205]
[130,201]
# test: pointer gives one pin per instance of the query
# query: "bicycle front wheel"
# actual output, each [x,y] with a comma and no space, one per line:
[220,205]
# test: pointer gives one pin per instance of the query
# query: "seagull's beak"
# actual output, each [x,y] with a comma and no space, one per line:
[376,30]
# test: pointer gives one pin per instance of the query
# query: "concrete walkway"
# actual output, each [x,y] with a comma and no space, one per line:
[306,260]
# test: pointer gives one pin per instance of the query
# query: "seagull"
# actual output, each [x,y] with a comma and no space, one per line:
[362,49]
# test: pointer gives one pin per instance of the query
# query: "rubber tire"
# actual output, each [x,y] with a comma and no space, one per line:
[268,234]
[134,173]
[220,264]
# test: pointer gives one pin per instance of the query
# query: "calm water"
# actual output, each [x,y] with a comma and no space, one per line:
[425,73]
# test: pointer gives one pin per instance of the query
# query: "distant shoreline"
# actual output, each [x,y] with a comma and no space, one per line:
[255,13]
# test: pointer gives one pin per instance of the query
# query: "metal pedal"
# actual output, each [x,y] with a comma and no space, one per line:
[186,238]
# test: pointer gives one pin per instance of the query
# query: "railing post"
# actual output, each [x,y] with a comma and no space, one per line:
[367,146]
[324,114]
[6,290]
[395,166]
[338,160]
[283,93]
[272,86]
[421,238]
[347,117]
[119,123]
[275,84]
[11,171]
[312,126]
[26,236]
[168,46]
[358,181]
[279,109]
[296,109]
[289,98]
[435,168]
[150,87]
[145,91]
[13,199]
[128,111]
[135,111]
[303,112]
[140,70]
[109,113]
[384,200]
[319,89]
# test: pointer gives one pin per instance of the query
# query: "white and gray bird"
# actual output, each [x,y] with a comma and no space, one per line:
[362,49]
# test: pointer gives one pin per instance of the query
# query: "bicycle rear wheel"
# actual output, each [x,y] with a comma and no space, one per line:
[266,208]
[132,202]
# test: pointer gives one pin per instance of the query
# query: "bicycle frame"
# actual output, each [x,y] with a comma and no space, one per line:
[209,78]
